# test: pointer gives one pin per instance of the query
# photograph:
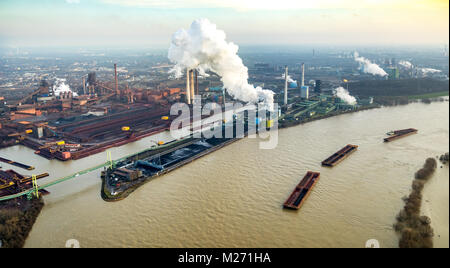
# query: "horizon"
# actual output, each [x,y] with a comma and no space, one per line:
[147,23]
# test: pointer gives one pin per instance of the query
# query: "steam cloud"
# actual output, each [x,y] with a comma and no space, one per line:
[60,86]
[344,95]
[423,71]
[406,64]
[367,66]
[290,80]
[204,47]
[427,71]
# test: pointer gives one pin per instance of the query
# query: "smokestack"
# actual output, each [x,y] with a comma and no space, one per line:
[224,96]
[196,82]
[218,56]
[286,86]
[84,85]
[192,84]
[188,90]
[115,78]
[303,75]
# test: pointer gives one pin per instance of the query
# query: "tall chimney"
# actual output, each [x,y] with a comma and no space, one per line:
[303,75]
[224,96]
[115,78]
[188,90]
[84,85]
[196,82]
[192,84]
[286,86]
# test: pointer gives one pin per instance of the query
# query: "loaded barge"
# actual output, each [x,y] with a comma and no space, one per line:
[400,134]
[302,191]
[340,155]
[17,164]
[122,178]
[12,182]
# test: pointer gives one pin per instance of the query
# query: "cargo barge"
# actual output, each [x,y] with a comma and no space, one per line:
[12,182]
[126,176]
[397,134]
[302,191]
[122,178]
[17,164]
[340,155]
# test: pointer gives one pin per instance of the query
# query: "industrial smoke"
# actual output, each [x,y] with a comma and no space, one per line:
[406,64]
[290,80]
[426,71]
[204,47]
[344,95]
[423,71]
[367,66]
[60,86]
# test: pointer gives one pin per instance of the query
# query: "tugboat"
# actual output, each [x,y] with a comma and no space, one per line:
[390,133]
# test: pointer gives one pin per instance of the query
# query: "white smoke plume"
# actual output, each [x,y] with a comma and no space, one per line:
[367,66]
[290,80]
[60,86]
[426,71]
[344,95]
[204,47]
[423,71]
[406,64]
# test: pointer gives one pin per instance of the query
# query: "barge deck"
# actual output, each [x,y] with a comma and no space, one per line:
[302,190]
[397,134]
[17,164]
[340,155]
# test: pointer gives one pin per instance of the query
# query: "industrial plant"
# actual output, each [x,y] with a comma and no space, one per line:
[66,121]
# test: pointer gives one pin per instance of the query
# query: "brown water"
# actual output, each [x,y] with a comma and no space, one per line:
[233,197]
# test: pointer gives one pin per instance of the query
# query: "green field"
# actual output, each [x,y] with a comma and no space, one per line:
[429,95]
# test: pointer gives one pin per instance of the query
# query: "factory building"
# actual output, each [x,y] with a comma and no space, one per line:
[318,86]
[393,73]
[304,92]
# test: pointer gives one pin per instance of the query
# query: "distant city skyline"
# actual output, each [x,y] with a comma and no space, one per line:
[151,23]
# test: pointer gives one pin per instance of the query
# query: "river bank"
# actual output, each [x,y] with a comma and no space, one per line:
[17,217]
[219,200]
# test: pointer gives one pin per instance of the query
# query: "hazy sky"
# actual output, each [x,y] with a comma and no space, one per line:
[150,23]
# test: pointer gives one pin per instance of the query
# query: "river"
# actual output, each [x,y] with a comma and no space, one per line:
[233,197]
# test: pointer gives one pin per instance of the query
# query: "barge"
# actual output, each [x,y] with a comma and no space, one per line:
[131,173]
[397,134]
[17,164]
[302,191]
[122,178]
[340,155]
[12,182]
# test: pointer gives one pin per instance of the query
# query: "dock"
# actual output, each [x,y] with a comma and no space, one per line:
[397,134]
[17,164]
[340,155]
[302,191]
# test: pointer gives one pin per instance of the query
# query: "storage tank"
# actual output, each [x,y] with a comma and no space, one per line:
[293,85]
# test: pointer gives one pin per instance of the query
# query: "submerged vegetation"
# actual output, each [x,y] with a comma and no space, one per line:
[415,230]
[403,91]
[444,158]
[17,218]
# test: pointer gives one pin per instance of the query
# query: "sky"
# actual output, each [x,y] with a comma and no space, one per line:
[150,23]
